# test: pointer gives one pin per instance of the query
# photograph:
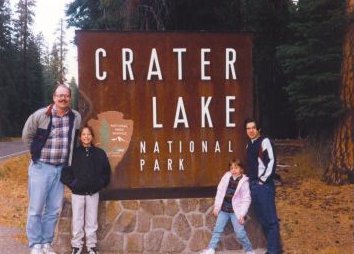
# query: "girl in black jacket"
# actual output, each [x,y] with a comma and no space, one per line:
[87,175]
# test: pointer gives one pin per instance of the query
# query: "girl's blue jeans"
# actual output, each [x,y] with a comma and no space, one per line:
[239,229]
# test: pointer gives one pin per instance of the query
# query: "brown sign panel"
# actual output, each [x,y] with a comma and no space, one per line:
[168,107]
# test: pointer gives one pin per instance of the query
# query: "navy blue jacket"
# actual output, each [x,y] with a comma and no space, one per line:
[261,160]
[89,172]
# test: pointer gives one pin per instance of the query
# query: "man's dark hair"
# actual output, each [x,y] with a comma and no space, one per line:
[252,120]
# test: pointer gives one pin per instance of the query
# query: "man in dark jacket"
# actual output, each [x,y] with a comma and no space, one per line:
[261,170]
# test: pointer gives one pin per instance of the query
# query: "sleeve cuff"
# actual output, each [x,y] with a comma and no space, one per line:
[260,180]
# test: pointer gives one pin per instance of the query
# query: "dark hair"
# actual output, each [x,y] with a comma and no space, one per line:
[237,162]
[86,127]
[61,85]
[252,120]
[81,130]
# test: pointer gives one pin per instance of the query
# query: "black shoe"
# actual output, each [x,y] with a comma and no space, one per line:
[92,250]
[75,250]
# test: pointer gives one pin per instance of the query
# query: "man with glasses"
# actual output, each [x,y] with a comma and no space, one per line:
[51,133]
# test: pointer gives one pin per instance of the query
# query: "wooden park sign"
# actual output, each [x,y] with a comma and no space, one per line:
[167,107]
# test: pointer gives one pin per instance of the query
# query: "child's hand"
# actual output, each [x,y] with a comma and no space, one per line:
[241,220]
[216,212]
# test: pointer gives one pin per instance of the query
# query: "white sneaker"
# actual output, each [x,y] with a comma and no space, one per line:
[37,249]
[47,249]
[208,251]
[250,252]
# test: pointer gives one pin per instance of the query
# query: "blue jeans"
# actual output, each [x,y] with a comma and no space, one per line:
[263,200]
[46,194]
[239,229]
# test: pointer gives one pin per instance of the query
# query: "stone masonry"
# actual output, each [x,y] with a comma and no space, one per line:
[156,226]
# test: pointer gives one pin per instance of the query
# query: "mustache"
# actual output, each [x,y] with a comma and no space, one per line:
[63,100]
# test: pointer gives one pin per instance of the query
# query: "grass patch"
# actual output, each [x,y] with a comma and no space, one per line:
[8,139]
[13,186]
[4,173]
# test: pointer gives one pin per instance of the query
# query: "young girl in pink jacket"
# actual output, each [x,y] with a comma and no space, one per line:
[232,201]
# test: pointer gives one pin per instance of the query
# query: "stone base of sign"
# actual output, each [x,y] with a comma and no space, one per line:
[157,226]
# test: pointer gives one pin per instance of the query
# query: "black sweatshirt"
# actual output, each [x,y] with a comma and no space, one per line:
[89,171]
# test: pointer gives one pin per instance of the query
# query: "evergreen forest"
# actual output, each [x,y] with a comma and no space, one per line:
[302,60]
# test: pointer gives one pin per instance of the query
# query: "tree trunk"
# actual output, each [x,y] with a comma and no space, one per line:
[341,167]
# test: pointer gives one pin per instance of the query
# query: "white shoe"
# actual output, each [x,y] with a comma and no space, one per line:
[250,252]
[208,251]
[47,249]
[37,249]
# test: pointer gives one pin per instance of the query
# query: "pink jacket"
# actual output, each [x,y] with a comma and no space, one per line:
[242,198]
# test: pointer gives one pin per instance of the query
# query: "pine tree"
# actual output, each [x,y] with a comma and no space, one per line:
[6,50]
[62,51]
[122,15]
[74,93]
[341,166]
[312,63]
[22,35]
[35,74]
[48,79]
[84,14]
[267,21]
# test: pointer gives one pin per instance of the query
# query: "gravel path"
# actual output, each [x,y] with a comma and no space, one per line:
[8,243]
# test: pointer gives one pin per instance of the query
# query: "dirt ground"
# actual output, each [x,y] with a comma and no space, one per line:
[314,217]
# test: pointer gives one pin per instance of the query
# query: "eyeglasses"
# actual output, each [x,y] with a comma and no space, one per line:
[62,96]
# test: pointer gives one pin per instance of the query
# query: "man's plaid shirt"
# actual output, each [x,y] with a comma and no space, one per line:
[55,150]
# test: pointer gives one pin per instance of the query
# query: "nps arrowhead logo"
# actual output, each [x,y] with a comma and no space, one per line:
[113,134]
